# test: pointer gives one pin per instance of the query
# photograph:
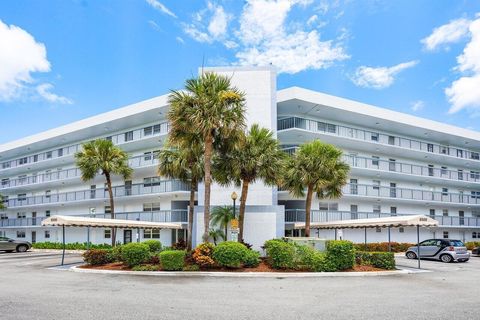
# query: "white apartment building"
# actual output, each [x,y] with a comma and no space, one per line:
[400,165]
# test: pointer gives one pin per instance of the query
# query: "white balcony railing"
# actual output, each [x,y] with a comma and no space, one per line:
[374,137]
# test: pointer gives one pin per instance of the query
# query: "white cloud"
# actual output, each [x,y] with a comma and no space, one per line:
[44,90]
[161,7]
[179,39]
[154,25]
[20,55]
[312,20]
[451,32]
[464,93]
[218,24]
[417,105]
[381,77]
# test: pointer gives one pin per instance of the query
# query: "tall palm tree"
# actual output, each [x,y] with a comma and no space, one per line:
[186,164]
[2,205]
[102,156]
[221,216]
[316,167]
[215,109]
[215,234]
[256,156]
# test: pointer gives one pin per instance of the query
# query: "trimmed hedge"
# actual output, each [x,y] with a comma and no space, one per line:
[147,267]
[230,254]
[472,244]
[69,246]
[382,260]
[341,254]
[172,260]
[97,257]
[134,254]
[154,246]
[252,259]
[280,254]
[383,246]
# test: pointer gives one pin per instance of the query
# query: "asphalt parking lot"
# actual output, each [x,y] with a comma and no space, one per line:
[30,290]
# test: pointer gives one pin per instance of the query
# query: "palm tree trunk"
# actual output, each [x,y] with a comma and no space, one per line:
[241,214]
[112,209]
[226,230]
[208,182]
[193,188]
[308,205]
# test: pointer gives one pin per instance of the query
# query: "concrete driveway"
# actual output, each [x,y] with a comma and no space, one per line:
[31,291]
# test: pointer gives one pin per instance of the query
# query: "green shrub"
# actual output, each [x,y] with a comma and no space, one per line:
[230,254]
[321,263]
[280,254]
[146,267]
[383,246]
[172,260]
[134,254]
[202,255]
[191,267]
[115,254]
[472,244]
[69,246]
[154,246]
[251,259]
[341,254]
[97,257]
[382,260]
[304,256]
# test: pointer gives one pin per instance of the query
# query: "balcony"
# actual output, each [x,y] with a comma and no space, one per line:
[374,137]
[154,216]
[298,215]
[164,186]
[118,139]
[60,175]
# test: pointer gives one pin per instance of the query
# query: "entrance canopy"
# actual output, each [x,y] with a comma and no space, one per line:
[72,221]
[397,221]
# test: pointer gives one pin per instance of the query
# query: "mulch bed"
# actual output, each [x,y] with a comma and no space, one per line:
[262,267]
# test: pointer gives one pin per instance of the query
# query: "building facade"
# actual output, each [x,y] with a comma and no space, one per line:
[400,164]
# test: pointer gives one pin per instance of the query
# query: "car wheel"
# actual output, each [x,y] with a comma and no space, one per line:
[22,248]
[9,251]
[411,255]
[446,258]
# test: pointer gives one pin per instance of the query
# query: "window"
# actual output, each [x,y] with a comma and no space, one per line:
[107,209]
[377,208]
[393,190]
[376,186]
[459,153]
[20,234]
[444,191]
[430,147]
[5,181]
[445,234]
[353,186]
[93,190]
[445,212]
[5,165]
[47,194]
[444,171]
[147,131]
[151,181]
[401,230]
[109,138]
[393,211]
[391,165]
[432,213]
[147,156]
[327,127]
[354,211]
[151,234]
[48,154]
[375,160]
[475,175]
[443,150]
[461,219]
[22,161]
[430,170]
[460,174]
[35,158]
[47,234]
[21,215]
[391,140]
[22,197]
[107,233]
[128,136]
[148,207]
[374,137]
[156,129]
[378,229]
[474,235]
[475,194]
[128,187]
[47,213]
[475,155]
[60,152]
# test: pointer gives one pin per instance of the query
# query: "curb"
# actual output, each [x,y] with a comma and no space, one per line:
[206,274]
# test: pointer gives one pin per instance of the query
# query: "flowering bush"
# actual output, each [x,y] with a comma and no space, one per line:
[202,255]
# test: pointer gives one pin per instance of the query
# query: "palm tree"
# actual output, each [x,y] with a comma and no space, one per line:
[215,235]
[185,164]
[256,156]
[221,216]
[214,109]
[317,167]
[101,156]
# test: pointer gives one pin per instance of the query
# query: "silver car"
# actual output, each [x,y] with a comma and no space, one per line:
[445,250]
[10,245]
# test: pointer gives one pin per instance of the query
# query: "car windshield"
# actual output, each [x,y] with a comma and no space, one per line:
[456,243]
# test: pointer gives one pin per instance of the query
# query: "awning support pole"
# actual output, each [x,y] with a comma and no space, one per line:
[389,245]
[63,239]
[335,233]
[418,245]
[365,238]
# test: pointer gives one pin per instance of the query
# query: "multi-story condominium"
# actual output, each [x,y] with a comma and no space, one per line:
[400,165]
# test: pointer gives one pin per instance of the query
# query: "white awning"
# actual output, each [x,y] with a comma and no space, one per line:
[397,221]
[73,221]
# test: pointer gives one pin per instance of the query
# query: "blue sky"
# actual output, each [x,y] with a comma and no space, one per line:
[65,60]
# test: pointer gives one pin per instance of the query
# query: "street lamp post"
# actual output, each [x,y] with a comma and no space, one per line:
[234,198]
[234,228]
